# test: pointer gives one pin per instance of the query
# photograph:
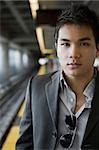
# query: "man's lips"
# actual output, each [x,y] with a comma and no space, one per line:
[74,65]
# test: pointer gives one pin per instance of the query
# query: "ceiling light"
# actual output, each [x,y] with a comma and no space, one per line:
[34,5]
[43,61]
[39,33]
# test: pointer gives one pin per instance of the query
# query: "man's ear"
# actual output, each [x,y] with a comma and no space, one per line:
[56,48]
[97,54]
[55,45]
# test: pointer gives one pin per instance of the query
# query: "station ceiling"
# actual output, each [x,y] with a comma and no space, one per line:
[19,26]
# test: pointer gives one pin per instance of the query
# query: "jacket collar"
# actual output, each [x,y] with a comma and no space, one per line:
[52,90]
[93,117]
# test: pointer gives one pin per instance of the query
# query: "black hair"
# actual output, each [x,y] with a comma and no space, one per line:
[78,14]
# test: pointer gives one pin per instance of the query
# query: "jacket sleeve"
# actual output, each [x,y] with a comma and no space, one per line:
[25,140]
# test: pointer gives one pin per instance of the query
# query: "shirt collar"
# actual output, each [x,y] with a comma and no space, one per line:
[63,80]
[89,90]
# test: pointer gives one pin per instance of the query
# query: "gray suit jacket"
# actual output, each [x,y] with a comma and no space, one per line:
[38,129]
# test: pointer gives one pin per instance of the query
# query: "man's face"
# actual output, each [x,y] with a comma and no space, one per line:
[76,50]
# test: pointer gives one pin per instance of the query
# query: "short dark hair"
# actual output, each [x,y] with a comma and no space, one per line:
[78,14]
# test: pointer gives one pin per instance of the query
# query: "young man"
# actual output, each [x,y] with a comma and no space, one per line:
[62,108]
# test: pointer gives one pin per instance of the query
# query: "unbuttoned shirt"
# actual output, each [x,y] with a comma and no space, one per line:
[67,105]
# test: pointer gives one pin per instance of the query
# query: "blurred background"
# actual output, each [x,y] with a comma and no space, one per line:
[26,49]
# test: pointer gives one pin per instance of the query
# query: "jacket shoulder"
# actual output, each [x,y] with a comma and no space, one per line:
[42,79]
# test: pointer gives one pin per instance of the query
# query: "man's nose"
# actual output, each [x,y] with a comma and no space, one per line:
[74,52]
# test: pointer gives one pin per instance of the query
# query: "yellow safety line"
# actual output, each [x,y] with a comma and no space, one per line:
[13,134]
[21,110]
[14,131]
[42,70]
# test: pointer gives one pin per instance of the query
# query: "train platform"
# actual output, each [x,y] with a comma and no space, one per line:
[9,143]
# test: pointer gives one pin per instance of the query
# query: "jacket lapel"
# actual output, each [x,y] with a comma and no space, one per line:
[51,90]
[93,117]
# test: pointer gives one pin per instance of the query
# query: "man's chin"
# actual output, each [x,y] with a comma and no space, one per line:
[74,72]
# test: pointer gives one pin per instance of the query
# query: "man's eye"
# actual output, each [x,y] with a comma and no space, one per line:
[65,44]
[85,44]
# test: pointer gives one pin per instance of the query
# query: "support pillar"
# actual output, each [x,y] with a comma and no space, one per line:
[4,60]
